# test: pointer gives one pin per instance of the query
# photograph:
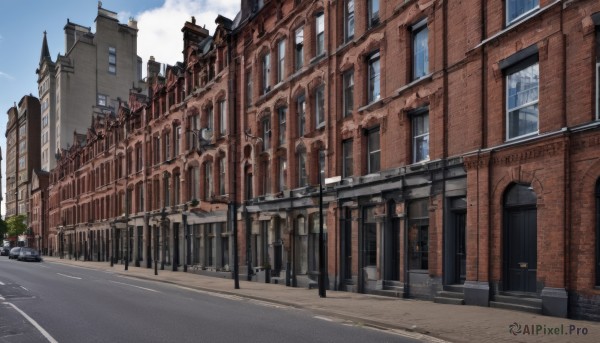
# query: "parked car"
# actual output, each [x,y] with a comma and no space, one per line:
[4,251]
[14,253]
[28,254]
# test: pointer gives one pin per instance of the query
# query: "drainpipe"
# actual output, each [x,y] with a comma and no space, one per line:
[567,158]
[445,131]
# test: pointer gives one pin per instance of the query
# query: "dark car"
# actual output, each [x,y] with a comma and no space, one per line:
[14,253]
[28,254]
[4,251]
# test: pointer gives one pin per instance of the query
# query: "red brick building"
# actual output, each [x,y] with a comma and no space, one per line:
[464,135]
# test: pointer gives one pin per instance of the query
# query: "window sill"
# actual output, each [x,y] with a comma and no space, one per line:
[516,24]
[371,106]
[318,58]
[414,83]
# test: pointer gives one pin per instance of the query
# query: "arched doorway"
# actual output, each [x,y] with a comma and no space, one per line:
[520,239]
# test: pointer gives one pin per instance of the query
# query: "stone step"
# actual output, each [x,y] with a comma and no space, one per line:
[524,301]
[387,293]
[515,307]
[447,294]
[454,288]
[451,301]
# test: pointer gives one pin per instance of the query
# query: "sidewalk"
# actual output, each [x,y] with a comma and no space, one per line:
[447,322]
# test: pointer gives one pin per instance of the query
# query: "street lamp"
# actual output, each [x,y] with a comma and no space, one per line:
[322,269]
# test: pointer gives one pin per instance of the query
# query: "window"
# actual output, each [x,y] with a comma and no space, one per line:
[166,190]
[281,60]
[177,140]
[176,190]
[208,180]
[266,68]
[418,235]
[374,78]
[282,113]
[517,9]
[522,88]
[193,133]
[112,60]
[420,127]
[322,166]
[301,111]
[348,93]
[282,173]
[45,120]
[349,20]
[222,176]
[370,234]
[248,88]
[302,177]
[347,164]
[138,157]
[299,48]
[167,146]
[210,118]
[373,150]
[320,106]
[266,129]
[373,12]
[222,118]
[266,177]
[156,150]
[420,50]
[194,177]
[102,100]
[320,30]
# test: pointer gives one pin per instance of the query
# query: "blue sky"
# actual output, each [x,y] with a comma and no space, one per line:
[22,23]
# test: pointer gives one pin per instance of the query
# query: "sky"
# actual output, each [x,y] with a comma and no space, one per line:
[23,22]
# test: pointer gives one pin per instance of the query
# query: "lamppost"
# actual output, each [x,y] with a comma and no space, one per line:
[187,238]
[322,292]
[322,268]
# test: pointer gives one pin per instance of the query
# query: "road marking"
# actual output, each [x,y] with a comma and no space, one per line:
[35,324]
[24,288]
[127,284]
[323,318]
[1,283]
[69,276]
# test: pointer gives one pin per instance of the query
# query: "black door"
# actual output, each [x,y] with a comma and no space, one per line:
[521,238]
[460,259]
[347,244]
[176,244]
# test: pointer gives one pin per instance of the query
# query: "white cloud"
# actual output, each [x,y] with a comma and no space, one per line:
[6,76]
[160,33]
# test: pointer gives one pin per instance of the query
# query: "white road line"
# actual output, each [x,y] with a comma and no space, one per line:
[1,298]
[144,288]
[24,288]
[69,276]
[1,283]
[34,323]
[323,318]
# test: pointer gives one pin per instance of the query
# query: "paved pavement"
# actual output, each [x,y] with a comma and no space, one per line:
[420,319]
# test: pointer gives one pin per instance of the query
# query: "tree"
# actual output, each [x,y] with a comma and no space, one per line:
[16,225]
[3,228]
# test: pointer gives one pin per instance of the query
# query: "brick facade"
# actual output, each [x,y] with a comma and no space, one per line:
[445,155]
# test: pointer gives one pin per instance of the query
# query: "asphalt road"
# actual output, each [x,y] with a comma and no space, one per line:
[48,302]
